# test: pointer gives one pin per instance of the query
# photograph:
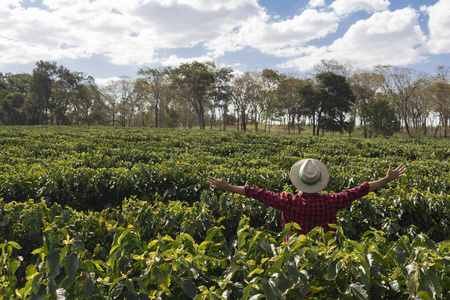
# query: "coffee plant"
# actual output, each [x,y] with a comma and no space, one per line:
[109,213]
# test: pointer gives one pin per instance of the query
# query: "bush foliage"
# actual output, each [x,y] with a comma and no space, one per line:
[106,213]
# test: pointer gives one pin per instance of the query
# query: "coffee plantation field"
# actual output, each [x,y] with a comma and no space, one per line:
[126,213]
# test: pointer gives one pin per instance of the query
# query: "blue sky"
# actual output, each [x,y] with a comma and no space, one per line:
[113,38]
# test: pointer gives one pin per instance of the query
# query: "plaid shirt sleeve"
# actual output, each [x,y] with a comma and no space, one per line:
[345,198]
[275,200]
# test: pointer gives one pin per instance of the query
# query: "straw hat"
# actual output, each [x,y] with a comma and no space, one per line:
[309,175]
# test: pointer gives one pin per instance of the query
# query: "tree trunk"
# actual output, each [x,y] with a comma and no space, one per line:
[156,116]
[224,118]
[406,124]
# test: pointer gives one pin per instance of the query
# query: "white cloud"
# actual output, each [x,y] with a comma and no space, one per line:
[126,32]
[140,31]
[439,26]
[276,38]
[385,38]
[130,32]
[174,60]
[345,7]
[316,3]
[6,3]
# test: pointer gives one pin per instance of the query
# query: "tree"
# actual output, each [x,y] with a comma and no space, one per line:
[141,102]
[400,84]
[119,95]
[420,106]
[335,67]
[243,90]
[381,117]
[269,85]
[157,81]
[221,93]
[14,89]
[56,95]
[195,79]
[94,111]
[365,85]
[40,106]
[440,97]
[336,98]
[312,104]
[290,100]
[255,99]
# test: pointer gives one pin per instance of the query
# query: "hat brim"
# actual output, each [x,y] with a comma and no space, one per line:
[296,181]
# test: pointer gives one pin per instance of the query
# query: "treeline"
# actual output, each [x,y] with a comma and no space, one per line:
[335,98]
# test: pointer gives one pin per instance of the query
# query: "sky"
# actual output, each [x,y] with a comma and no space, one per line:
[115,38]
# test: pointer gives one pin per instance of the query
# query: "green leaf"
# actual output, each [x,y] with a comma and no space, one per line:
[401,255]
[284,283]
[37,251]
[266,246]
[71,264]
[36,282]
[15,245]
[212,232]
[249,288]
[314,231]
[293,271]
[13,265]
[358,291]
[97,264]
[114,283]
[123,235]
[78,244]
[204,245]
[41,294]
[152,243]
[31,270]
[64,232]
[256,271]
[130,286]
[167,239]
[226,277]
[334,226]
[63,253]
[163,281]
[189,287]
[53,264]
[425,295]
[241,239]
[304,277]
[332,270]
[270,289]
[188,237]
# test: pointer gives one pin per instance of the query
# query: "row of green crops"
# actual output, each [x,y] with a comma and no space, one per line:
[175,238]
[177,251]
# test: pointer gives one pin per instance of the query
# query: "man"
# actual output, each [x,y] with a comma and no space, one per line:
[308,208]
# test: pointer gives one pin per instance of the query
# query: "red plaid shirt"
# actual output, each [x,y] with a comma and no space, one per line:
[308,210]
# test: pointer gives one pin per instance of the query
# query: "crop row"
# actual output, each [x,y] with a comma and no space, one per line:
[177,251]
[92,168]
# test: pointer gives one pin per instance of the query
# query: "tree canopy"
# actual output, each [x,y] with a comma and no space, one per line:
[335,98]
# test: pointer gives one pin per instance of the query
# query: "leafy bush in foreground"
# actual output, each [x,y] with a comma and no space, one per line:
[176,253]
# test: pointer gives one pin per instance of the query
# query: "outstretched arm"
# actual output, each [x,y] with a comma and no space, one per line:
[224,185]
[391,175]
